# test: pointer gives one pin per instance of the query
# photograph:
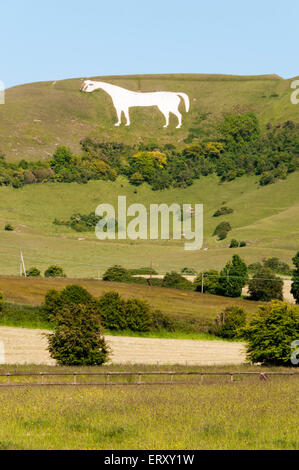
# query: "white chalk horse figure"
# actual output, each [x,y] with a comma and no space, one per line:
[167,101]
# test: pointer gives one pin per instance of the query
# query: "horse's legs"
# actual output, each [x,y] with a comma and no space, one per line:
[165,112]
[179,116]
[118,112]
[127,115]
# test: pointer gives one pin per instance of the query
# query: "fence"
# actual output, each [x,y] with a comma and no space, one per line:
[108,375]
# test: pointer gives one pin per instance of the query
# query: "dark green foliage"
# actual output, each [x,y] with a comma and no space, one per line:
[265,285]
[33,272]
[270,334]
[239,129]
[277,266]
[234,243]
[77,339]
[222,228]
[83,223]
[242,244]
[142,271]
[117,273]
[189,271]
[160,321]
[254,267]
[72,294]
[241,149]
[223,211]
[1,302]
[55,271]
[176,281]
[210,282]
[8,228]
[230,321]
[295,278]
[138,315]
[112,310]
[233,278]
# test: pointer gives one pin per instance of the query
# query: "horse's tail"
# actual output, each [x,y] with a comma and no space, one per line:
[186,99]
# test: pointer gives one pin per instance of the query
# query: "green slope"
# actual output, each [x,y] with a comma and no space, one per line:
[39,116]
[266,217]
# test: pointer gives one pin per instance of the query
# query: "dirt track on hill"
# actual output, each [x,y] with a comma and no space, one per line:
[23,346]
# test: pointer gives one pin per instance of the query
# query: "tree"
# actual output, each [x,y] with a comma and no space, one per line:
[271,332]
[234,243]
[72,294]
[233,278]
[230,321]
[112,310]
[77,339]
[8,228]
[295,278]
[55,271]
[209,283]
[265,285]
[33,272]
[117,273]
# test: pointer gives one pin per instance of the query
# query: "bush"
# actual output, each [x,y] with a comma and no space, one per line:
[33,272]
[242,244]
[55,271]
[24,315]
[222,229]
[160,321]
[234,243]
[117,273]
[142,271]
[77,339]
[277,266]
[138,315]
[265,285]
[189,271]
[9,228]
[1,302]
[176,281]
[223,211]
[230,321]
[295,278]
[271,332]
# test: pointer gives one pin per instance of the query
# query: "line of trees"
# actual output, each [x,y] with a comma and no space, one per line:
[240,149]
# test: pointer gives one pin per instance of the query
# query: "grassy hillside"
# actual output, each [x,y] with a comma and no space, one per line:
[175,303]
[265,217]
[39,116]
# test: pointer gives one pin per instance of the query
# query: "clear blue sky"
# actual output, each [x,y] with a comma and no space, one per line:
[61,39]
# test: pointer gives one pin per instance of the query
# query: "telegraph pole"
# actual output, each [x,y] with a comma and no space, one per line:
[22,265]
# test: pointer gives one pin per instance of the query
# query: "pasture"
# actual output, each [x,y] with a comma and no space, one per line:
[213,414]
[265,217]
[39,116]
[174,302]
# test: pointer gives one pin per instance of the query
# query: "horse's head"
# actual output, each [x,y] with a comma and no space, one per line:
[88,86]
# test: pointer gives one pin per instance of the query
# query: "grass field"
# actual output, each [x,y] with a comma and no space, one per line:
[173,302]
[39,116]
[265,217]
[215,414]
